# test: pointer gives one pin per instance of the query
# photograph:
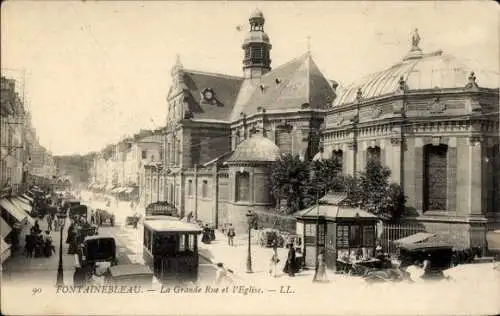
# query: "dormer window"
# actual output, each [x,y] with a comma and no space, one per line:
[208,96]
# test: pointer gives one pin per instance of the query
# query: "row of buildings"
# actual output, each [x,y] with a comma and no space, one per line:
[119,168]
[429,117]
[23,160]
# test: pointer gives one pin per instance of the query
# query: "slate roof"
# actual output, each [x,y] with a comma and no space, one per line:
[225,90]
[255,149]
[300,82]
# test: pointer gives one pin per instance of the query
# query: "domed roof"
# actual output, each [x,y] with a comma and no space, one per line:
[256,149]
[419,71]
[256,14]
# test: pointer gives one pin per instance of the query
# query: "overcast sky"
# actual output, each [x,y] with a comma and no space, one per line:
[96,71]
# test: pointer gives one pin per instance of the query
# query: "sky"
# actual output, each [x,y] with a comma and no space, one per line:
[94,72]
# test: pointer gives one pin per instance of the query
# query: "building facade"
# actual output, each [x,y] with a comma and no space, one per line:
[433,121]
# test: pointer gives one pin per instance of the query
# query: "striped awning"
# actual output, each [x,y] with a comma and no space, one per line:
[21,204]
[4,228]
[18,214]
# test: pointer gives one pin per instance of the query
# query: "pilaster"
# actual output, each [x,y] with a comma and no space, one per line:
[475,175]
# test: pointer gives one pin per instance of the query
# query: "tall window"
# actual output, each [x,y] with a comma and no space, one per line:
[242,186]
[373,153]
[179,152]
[144,154]
[168,154]
[339,155]
[190,187]
[284,140]
[435,177]
[204,188]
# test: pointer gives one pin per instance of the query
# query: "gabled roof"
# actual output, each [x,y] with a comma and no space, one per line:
[289,87]
[225,89]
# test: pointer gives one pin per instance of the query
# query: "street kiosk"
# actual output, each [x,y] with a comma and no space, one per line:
[347,235]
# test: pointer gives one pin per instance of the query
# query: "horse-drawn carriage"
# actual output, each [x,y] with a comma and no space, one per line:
[96,261]
[104,217]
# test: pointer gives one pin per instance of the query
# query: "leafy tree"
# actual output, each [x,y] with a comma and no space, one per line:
[372,191]
[289,178]
[325,175]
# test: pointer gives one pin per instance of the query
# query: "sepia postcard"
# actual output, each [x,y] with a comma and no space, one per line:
[250,158]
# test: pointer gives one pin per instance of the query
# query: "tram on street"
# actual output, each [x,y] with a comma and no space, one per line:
[171,250]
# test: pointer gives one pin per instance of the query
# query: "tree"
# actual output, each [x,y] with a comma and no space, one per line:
[372,191]
[289,178]
[325,176]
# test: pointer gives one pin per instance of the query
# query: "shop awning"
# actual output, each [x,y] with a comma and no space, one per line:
[109,187]
[4,228]
[18,214]
[122,189]
[5,248]
[21,204]
[414,239]
[23,207]
[25,196]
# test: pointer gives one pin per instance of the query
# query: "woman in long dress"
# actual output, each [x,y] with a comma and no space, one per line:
[321,271]
[290,267]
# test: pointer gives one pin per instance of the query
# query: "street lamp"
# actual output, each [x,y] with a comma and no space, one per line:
[252,219]
[60,273]
[159,169]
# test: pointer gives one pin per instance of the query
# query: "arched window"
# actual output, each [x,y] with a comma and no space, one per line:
[339,155]
[435,177]
[373,153]
[242,186]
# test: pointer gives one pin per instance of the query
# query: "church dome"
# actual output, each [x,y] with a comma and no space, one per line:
[256,15]
[255,149]
[420,71]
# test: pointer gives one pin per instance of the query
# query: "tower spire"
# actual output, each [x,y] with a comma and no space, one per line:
[256,45]
[308,44]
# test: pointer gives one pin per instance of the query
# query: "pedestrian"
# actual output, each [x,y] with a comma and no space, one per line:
[30,245]
[290,265]
[230,235]
[221,275]
[49,222]
[92,217]
[320,275]
[274,262]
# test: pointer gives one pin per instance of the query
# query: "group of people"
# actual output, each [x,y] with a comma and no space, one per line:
[39,244]
[74,233]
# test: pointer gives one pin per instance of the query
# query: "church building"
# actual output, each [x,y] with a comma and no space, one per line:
[429,118]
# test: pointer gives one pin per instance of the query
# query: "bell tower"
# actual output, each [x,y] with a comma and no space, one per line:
[256,46]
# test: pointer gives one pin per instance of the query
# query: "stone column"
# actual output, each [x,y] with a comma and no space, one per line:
[475,175]
[349,158]
[394,160]
[361,156]
[452,175]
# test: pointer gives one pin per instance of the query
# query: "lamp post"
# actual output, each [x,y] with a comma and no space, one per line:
[251,218]
[60,273]
[159,169]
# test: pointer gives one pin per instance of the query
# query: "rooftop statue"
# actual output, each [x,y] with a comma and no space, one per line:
[415,40]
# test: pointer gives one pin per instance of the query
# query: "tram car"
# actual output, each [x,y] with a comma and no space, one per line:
[170,249]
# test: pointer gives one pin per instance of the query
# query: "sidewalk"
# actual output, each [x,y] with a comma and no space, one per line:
[235,258]
[20,268]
